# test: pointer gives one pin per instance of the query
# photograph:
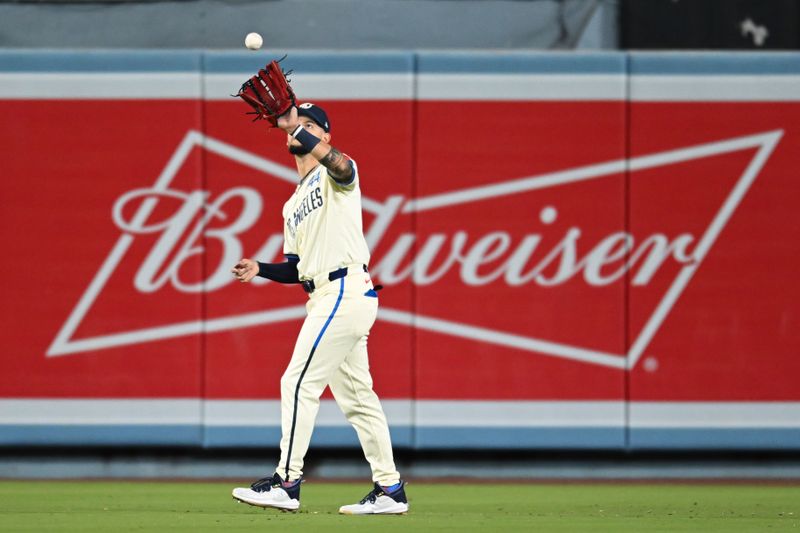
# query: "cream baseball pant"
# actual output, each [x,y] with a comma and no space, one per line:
[331,351]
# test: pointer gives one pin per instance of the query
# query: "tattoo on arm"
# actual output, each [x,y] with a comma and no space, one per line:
[337,164]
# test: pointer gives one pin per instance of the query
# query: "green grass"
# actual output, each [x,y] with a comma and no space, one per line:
[139,506]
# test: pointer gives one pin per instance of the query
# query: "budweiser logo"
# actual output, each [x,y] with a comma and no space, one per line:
[544,257]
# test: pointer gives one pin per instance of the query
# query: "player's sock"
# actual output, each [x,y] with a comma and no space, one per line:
[392,488]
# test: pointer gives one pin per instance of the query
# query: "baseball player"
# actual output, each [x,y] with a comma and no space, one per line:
[326,252]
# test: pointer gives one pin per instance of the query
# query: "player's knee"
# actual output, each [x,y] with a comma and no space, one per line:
[288,383]
[304,389]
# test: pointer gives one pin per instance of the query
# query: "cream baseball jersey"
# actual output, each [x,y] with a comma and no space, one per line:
[322,224]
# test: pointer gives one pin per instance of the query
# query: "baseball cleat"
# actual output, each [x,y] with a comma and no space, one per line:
[271,492]
[381,500]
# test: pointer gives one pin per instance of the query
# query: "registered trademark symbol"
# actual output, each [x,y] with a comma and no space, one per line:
[651,364]
[548,215]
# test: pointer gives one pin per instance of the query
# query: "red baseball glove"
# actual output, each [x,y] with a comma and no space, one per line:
[268,93]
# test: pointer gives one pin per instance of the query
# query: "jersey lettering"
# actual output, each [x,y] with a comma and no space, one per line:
[323,226]
[311,202]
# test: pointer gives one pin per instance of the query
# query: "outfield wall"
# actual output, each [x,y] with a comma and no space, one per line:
[580,251]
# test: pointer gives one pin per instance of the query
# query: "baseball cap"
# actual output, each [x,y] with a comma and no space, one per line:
[315,113]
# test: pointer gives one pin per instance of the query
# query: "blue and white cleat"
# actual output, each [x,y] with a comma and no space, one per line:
[271,492]
[382,500]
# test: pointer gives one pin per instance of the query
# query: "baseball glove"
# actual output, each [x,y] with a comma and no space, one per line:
[268,93]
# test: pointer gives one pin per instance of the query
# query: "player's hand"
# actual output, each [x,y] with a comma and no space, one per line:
[245,270]
[289,120]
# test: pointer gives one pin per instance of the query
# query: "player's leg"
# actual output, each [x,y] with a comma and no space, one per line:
[326,338]
[352,388]
[323,342]
[299,406]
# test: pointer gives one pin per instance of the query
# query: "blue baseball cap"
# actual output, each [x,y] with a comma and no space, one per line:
[315,113]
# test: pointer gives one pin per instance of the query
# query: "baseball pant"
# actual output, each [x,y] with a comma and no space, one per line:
[331,350]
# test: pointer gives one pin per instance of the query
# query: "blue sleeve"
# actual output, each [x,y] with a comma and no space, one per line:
[280,272]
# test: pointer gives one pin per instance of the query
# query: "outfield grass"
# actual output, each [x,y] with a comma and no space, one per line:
[169,506]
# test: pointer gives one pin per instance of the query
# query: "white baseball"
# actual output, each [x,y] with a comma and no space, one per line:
[253,41]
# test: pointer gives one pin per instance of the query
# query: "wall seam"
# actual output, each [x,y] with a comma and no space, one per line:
[627,229]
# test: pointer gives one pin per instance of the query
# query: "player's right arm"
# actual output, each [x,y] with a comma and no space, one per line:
[246,269]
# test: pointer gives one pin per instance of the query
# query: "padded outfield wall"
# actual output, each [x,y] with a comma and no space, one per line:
[580,251]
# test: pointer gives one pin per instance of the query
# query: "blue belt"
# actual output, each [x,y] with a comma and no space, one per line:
[308,284]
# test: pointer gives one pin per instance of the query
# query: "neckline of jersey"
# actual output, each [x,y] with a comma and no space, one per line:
[310,172]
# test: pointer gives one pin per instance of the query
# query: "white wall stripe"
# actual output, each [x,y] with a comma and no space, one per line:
[519,414]
[323,86]
[49,411]
[452,87]
[404,412]
[715,415]
[752,88]
[521,87]
[103,86]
